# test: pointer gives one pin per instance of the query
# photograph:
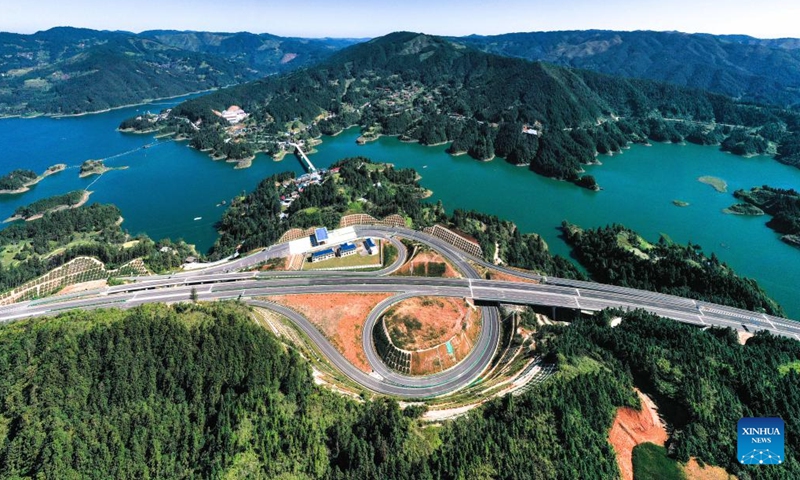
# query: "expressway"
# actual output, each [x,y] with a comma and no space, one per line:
[224,282]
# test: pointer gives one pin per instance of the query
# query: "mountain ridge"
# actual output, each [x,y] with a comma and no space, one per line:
[66,70]
[740,66]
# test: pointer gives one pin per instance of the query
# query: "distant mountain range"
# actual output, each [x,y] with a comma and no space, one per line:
[746,68]
[69,70]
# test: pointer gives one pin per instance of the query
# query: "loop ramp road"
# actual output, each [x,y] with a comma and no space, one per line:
[224,282]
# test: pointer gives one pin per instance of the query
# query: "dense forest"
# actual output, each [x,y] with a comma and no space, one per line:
[756,70]
[71,70]
[703,381]
[17,179]
[60,236]
[782,204]
[619,256]
[427,89]
[45,204]
[199,390]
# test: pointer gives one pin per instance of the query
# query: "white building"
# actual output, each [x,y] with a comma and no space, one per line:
[234,114]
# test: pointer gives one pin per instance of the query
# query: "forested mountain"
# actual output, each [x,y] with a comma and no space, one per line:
[263,52]
[68,70]
[431,90]
[202,391]
[764,71]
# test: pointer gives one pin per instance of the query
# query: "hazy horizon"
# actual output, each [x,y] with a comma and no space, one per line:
[357,37]
[768,19]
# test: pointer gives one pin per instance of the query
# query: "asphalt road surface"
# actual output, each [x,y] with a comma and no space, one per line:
[223,281]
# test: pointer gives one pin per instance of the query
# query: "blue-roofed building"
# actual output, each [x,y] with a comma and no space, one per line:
[347,249]
[370,246]
[320,236]
[322,255]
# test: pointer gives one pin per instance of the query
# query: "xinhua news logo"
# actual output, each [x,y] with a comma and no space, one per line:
[760,441]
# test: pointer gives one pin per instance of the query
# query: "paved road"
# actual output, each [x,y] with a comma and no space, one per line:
[216,283]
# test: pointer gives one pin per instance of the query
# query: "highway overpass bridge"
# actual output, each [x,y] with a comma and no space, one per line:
[224,281]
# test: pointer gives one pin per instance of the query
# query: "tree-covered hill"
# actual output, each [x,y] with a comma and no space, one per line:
[619,256]
[782,204]
[764,71]
[201,391]
[69,70]
[431,90]
[263,52]
[31,249]
[703,381]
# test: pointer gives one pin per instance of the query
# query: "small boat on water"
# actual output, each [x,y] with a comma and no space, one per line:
[198,218]
[424,166]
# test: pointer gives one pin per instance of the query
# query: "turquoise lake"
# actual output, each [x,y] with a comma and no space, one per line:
[168,185]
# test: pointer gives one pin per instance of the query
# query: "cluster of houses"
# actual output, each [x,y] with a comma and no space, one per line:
[293,187]
[320,237]
[153,118]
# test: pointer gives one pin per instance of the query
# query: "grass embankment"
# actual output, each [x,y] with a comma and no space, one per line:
[650,461]
[352,262]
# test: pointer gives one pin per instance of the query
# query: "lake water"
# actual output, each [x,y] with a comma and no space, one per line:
[168,185]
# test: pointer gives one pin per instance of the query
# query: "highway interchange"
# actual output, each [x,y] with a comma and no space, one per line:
[226,281]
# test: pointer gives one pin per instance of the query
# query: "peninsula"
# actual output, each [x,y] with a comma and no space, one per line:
[41,207]
[21,180]
[743,209]
[565,123]
[782,204]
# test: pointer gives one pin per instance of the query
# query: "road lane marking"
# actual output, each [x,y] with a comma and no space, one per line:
[773,325]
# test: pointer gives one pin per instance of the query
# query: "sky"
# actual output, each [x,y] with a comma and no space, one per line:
[358,19]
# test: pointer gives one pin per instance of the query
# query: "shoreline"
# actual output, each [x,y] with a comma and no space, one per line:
[57,208]
[106,110]
[59,167]
[101,171]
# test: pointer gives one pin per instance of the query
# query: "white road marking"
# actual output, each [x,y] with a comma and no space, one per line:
[773,325]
